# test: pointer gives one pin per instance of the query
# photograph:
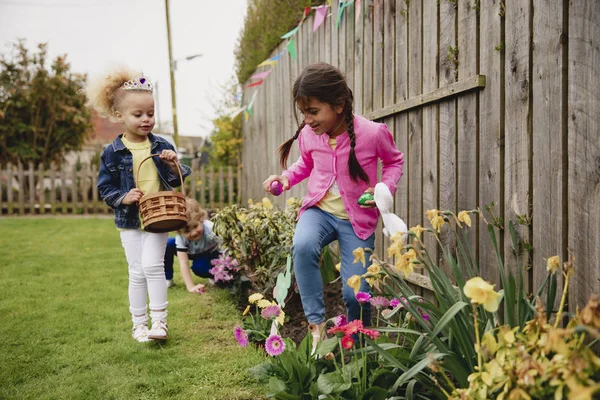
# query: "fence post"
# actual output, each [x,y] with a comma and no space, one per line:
[230,184]
[42,190]
[221,189]
[53,188]
[31,176]
[9,188]
[202,200]
[21,194]
[211,188]
[74,191]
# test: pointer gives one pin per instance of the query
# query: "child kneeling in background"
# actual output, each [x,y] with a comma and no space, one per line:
[196,242]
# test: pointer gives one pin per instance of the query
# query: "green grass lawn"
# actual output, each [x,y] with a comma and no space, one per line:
[65,328]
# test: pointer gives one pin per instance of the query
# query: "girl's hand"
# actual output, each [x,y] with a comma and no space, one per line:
[370,203]
[285,182]
[198,289]
[132,197]
[169,157]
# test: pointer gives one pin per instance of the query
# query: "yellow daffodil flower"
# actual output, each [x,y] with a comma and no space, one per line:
[417,230]
[437,223]
[354,283]
[374,269]
[253,298]
[481,292]
[397,245]
[404,263]
[246,311]
[431,214]
[553,264]
[464,217]
[359,255]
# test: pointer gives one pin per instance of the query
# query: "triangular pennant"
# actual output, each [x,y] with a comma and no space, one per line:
[257,83]
[343,5]
[291,47]
[357,9]
[237,112]
[320,14]
[290,33]
[266,62]
[306,12]
[261,75]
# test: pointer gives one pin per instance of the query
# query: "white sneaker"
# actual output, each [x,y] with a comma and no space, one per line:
[169,283]
[318,334]
[140,333]
[159,330]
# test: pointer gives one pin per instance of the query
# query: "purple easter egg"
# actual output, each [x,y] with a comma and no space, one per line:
[276,188]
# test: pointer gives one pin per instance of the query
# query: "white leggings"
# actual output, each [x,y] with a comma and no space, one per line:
[145,253]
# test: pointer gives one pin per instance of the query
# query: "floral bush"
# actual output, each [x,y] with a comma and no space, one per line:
[259,237]
[469,342]
[258,320]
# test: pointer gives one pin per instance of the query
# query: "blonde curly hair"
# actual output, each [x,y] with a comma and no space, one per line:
[195,214]
[104,93]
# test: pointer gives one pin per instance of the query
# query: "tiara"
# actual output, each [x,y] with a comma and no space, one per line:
[141,83]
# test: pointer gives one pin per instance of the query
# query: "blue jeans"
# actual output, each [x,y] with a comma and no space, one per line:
[200,265]
[315,230]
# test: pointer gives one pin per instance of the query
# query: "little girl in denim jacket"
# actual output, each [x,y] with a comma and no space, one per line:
[126,97]
[339,152]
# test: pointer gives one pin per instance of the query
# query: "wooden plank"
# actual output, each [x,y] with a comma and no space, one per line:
[467,133]
[517,203]
[96,204]
[41,190]
[341,36]
[31,177]
[415,117]
[401,93]
[349,23]
[584,149]
[21,194]
[550,127]
[74,190]
[202,187]
[230,184]
[53,188]
[447,123]
[9,188]
[211,187]
[221,188]
[64,201]
[442,94]
[430,120]
[335,43]
[367,72]
[491,132]
[326,27]
[358,61]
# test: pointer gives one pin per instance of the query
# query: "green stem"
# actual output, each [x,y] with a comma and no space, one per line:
[477,336]
[562,301]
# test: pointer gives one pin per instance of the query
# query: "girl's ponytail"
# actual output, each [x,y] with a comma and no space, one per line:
[356,171]
[284,149]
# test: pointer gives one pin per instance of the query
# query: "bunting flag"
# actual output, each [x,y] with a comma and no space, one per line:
[291,47]
[291,33]
[343,5]
[320,14]
[357,10]
[266,62]
[261,75]
[236,112]
[257,83]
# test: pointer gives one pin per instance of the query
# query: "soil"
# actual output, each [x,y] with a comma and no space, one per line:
[296,327]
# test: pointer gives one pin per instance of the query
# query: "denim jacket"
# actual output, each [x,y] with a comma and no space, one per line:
[115,178]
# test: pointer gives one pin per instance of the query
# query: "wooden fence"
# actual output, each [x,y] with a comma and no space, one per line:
[69,191]
[490,101]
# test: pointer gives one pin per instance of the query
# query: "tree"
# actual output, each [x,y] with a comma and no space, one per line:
[42,111]
[226,138]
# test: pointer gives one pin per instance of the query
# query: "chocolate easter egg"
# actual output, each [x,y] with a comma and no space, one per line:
[276,188]
[365,197]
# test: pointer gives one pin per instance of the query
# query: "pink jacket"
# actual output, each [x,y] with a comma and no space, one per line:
[322,165]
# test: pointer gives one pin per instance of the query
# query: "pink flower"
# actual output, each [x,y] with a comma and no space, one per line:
[425,316]
[241,336]
[274,345]
[336,329]
[353,327]
[363,297]
[341,320]
[271,312]
[372,333]
[380,302]
[394,303]
[347,342]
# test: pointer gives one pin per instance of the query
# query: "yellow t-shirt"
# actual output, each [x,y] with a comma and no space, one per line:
[148,180]
[332,201]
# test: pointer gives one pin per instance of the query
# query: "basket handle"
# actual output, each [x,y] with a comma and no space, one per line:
[158,155]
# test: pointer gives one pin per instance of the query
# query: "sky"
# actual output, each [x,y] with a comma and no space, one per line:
[98,35]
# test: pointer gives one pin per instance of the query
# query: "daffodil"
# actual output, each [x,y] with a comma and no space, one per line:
[246,311]
[417,230]
[463,216]
[397,245]
[431,214]
[404,263]
[338,267]
[253,298]
[354,283]
[359,255]
[553,264]
[374,269]
[437,223]
[481,292]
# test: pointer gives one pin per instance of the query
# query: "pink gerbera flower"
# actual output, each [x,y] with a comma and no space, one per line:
[274,345]
[347,342]
[241,336]
[341,320]
[380,302]
[363,297]
[394,303]
[372,333]
[353,327]
[271,312]
[336,329]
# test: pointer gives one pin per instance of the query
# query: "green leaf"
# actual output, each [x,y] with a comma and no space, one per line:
[327,346]
[332,382]
[448,317]
[264,371]
[416,369]
[374,393]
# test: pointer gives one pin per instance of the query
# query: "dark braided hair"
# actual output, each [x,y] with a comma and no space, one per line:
[327,84]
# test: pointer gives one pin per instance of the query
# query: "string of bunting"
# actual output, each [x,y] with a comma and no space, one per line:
[321,14]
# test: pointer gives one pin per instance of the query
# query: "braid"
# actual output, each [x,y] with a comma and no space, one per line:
[284,149]
[356,171]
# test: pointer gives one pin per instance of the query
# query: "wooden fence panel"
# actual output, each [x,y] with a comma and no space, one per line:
[584,148]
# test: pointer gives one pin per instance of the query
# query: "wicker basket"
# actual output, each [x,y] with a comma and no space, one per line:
[163,211]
